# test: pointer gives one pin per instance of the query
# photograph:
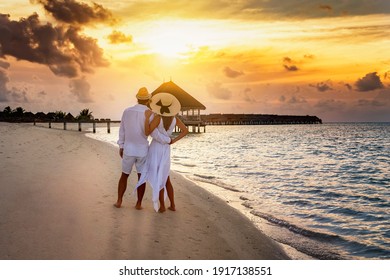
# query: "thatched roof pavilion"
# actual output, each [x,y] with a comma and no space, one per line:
[188,103]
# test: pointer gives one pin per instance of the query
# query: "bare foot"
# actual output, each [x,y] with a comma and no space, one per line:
[118,205]
[138,205]
[161,210]
[172,208]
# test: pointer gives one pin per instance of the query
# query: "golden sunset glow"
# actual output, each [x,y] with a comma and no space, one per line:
[171,38]
[264,57]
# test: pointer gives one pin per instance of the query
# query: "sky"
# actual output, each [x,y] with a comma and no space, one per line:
[330,59]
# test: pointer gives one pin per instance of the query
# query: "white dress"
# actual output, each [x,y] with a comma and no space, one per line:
[158,163]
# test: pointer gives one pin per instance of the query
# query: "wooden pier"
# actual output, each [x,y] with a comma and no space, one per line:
[80,123]
[193,126]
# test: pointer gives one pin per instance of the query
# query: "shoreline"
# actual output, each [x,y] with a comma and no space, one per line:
[58,190]
[238,202]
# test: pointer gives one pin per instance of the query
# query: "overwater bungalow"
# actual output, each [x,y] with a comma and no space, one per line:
[190,107]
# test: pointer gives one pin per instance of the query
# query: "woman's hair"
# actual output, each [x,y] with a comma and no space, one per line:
[167,121]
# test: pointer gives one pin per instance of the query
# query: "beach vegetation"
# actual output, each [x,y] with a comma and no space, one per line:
[59,115]
[7,111]
[85,114]
[19,114]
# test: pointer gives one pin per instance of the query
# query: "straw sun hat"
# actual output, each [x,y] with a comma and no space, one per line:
[165,104]
[143,94]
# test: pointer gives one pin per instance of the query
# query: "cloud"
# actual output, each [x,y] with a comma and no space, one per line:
[13,94]
[369,82]
[232,73]
[348,86]
[309,56]
[19,95]
[373,103]
[254,9]
[291,68]
[296,100]
[322,86]
[81,89]
[64,49]
[117,37]
[4,92]
[247,96]
[293,98]
[289,64]
[42,93]
[73,12]
[216,90]
[325,7]
[316,8]
[330,105]
[4,64]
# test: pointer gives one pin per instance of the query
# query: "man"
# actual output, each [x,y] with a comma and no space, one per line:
[133,144]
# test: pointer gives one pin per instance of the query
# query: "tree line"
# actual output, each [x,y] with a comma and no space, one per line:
[21,115]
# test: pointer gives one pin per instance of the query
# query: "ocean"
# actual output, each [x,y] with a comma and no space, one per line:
[321,189]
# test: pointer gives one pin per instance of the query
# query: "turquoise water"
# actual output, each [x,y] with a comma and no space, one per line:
[324,188]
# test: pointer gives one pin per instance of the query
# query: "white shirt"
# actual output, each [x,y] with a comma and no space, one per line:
[132,136]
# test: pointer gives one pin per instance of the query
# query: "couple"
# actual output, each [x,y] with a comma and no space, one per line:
[152,163]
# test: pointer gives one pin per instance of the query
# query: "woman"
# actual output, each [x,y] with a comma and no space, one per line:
[165,106]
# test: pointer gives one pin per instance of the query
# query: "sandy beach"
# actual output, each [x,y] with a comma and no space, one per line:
[57,193]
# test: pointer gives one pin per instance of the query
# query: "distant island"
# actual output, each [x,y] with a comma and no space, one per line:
[20,115]
[257,119]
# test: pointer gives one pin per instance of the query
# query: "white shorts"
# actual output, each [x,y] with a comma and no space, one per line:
[129,161]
